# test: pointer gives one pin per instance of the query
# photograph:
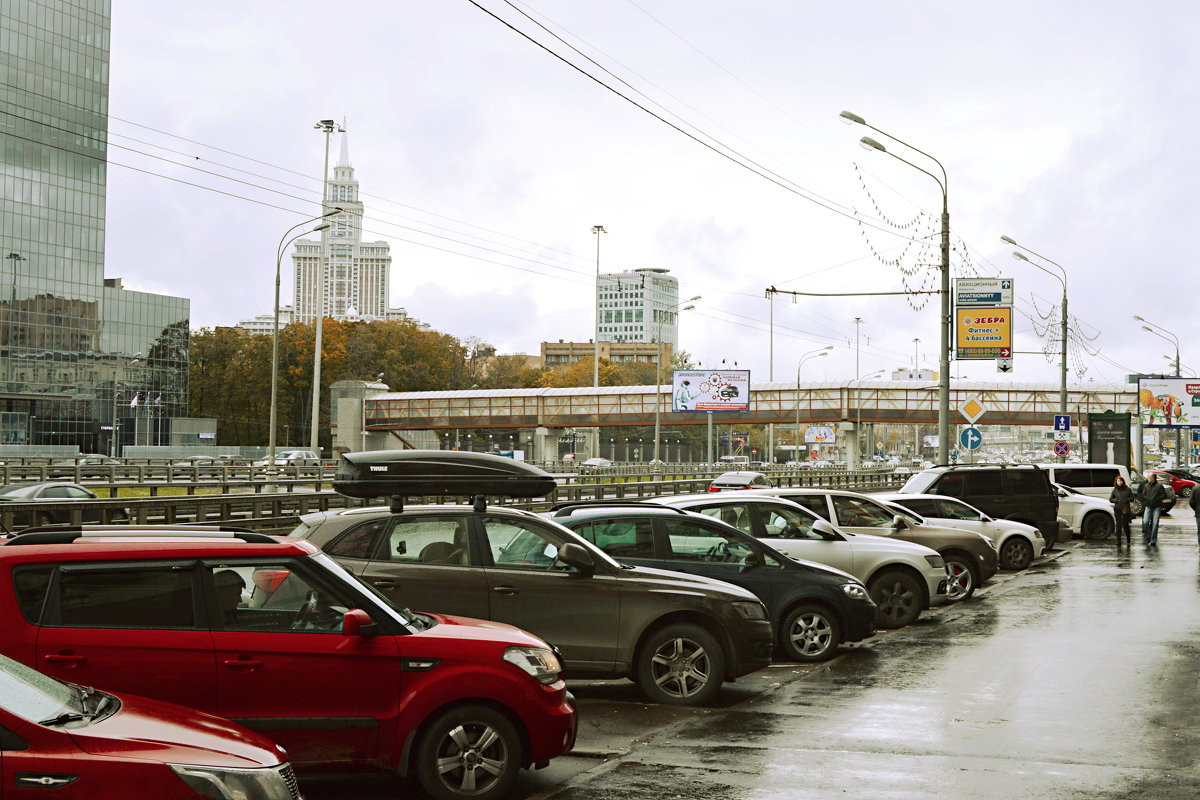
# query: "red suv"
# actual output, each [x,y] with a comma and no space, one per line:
[327,667]
[82,743]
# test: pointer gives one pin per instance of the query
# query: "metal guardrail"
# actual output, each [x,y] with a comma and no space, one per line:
[279,511]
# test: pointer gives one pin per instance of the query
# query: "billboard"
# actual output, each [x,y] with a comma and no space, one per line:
[819,434]
[722,390]
[1169,402]
[983,332]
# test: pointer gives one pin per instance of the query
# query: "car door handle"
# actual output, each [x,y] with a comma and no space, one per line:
[505,589]
[384,584]
[243,663]
[64,658]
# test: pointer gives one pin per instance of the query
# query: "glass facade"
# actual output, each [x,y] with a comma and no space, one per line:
[75,349]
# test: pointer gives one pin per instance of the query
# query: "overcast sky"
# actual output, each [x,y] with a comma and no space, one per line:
[485,160]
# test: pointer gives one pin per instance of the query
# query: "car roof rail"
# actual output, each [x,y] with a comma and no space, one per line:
[565,509]
[66,535]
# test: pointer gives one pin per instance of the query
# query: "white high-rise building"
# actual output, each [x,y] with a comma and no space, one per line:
[633,303]
[356,272]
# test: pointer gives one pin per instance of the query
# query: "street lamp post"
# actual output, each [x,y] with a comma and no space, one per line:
[283,243]
[858,418]
[1150,327]
[597,230]
[328,126]
[824,351]
[944,326]
[1062,391]
[658,373]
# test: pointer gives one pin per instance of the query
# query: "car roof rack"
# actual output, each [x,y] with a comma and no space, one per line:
[66,535]
[565,509]
[439,473]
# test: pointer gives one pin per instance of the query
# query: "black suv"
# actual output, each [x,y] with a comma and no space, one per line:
[1020,492]
[677,636]
[814,608]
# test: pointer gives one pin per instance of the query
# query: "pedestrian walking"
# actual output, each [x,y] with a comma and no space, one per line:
[1152,494]
[1194,502]
[1120,498]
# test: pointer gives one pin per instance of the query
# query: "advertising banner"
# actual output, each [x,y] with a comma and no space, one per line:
[819,434]
[722,390]
[983,332]
[1169,402]
[1108,439]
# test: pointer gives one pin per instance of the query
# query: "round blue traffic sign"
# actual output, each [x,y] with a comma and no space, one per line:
[970,438]
[1062,449]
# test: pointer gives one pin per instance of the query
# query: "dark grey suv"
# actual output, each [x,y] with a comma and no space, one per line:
[677,636]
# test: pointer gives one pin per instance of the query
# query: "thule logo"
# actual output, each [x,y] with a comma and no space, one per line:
[374,468]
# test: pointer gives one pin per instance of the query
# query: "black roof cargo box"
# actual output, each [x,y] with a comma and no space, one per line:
[450,473]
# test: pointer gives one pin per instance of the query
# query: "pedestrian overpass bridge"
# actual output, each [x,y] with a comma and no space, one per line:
[879,401]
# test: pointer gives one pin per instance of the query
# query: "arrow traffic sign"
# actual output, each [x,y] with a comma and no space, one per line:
[970,438]
[1004,365]
[1062,422]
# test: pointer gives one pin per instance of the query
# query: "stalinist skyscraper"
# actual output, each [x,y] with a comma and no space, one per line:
[356,272]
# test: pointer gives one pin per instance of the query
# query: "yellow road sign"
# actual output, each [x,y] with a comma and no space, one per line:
[983,332]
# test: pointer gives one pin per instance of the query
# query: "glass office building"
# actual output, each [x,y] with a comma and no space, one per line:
[76,349]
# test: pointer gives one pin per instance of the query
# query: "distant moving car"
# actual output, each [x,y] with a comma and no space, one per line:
[733,481]
[55,735]
[87,465]
[594,464]
[203,466]
[290,458]
[57,492]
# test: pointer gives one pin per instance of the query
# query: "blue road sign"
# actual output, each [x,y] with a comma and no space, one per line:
[1062,422]
[970,438]
[1062,449]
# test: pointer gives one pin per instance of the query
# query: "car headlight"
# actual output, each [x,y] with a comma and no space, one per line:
[237,784]
[855,591]
[751,610]
[936,562]
[539,662]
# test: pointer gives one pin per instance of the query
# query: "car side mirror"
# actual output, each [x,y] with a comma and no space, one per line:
[357,622]
[576,557]
[900,523]
[823,528]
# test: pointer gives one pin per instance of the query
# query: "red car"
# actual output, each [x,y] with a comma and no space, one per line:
[72,742]
[323,665]
[1181,483]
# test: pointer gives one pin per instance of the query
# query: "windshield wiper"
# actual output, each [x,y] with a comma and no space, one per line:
[62,719]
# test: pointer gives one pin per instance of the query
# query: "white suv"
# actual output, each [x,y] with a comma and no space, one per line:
[902,578]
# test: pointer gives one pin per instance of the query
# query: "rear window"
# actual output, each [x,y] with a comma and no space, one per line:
[1085,478]
[1028,481]
[620,538]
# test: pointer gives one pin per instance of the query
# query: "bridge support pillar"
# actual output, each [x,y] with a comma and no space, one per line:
[545,444]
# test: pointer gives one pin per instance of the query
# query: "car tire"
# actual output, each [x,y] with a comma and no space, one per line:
[469,752]
[963,578]
[680,664]
[810,633]
[1097,525]
[1016,552]
[898,596]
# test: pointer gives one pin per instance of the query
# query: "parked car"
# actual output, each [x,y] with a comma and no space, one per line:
[337,676]
[970,557]
[733,481]
[814,608]
[1019,492]
[87,465]
[1180,485]
[1090,517]
[70,741]
[679,637]
[1017,544]
[56,492]
[289,458]
[1191,475]
[902,578]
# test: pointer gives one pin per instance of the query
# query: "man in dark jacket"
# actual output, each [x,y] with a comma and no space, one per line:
[1194,502]
[1152,494]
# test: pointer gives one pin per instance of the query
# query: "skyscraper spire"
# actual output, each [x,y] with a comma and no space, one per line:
[344,156]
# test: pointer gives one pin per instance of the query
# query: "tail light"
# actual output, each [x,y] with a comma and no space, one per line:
[269,580]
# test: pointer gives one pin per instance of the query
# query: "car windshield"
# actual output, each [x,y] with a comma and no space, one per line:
[17,490]
[909,516]
[33,696]
[919,483]
[411,621]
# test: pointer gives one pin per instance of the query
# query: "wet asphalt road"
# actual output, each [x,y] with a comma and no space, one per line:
[1079,677]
